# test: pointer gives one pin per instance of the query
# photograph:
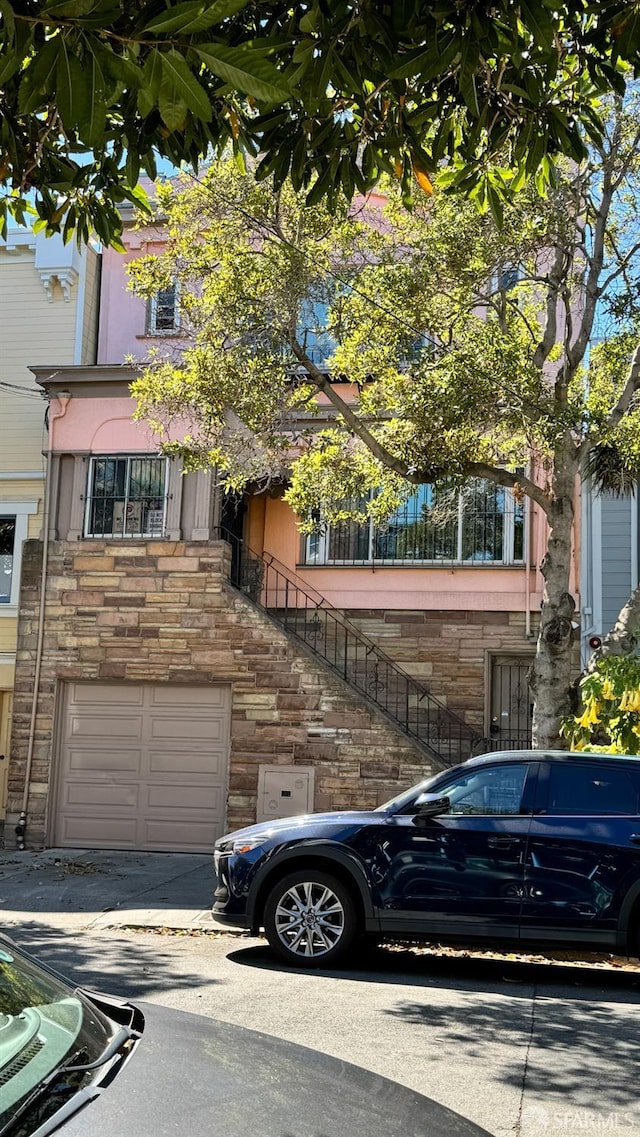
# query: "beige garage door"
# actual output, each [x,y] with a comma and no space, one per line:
[142,766]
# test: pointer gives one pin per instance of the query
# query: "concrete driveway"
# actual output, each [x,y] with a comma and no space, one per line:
[522,1048]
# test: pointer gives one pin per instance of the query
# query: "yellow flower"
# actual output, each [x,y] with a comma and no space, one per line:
[589,717]
[630,700]
[607,689]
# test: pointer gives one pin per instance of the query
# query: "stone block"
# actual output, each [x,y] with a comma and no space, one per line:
[298,702]
[176,564]
[135,584]
[98,580]
[386,770]
[254,699]
[184,582]
[93,563]
[111,670]
[165,549]
[117,619]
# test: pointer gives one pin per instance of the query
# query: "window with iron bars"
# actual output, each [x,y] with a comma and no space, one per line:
[126,497]
[480,524]
[164,315]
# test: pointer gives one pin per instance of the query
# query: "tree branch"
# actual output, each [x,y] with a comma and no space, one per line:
[553,282]
[595,261]
[631,386]
[346,412]
[511,481]
[621,267]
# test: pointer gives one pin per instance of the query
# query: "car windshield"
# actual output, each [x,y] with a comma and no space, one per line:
[396,804]
[43,1024]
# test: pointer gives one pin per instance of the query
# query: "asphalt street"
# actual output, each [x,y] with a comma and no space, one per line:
[529,1050]
[524,1049]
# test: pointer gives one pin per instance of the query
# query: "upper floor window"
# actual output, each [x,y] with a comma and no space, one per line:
[164,315]
[318,343]
[126,497]
[508,277]
[7,552]
[481,524]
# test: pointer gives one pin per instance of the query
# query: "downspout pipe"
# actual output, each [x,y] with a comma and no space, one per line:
[63,398]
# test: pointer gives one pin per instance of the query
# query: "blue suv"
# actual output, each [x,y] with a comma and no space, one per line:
[521,847]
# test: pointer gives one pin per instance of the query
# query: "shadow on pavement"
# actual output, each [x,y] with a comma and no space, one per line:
[123,967]
[394,966]
[576,1029]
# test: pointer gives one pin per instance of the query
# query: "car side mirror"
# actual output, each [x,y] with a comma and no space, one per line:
[429,805]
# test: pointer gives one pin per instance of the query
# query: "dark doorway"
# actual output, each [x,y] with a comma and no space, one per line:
[234,509]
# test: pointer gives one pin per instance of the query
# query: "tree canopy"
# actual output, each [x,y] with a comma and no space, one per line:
[469,346]
[332,93]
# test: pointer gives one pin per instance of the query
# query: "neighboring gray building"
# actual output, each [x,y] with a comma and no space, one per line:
[609,560]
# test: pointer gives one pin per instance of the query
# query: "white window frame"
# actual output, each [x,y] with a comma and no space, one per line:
[89,497]
[508,544]
[152,330]
[21,511]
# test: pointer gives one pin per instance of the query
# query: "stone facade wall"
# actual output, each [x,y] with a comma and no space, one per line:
[447,651]
[163,612]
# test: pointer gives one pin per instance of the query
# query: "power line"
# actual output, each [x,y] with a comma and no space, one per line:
[26,391]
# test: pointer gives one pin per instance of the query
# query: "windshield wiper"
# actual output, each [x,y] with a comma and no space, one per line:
[123,1035]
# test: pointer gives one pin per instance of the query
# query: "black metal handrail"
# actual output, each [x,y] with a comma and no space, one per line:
[305,614]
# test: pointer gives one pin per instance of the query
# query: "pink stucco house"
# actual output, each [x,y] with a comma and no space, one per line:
[200,665]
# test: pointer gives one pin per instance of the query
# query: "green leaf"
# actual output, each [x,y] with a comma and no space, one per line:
[39,77]
[246,71]
[539,23]
[496,204]
[8,20]
[309,22]
[179,83]
[191,17]
[133,167]
[427,64]
[152,73]
[71,9]
[9,66]
[72,86]
[93,111]
[467,83]
[173,109]
[138,197]
[146,102]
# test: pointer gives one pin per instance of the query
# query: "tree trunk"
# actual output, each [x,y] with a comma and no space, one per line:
[551,674]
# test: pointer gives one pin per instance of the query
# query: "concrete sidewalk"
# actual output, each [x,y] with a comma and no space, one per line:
[78,889]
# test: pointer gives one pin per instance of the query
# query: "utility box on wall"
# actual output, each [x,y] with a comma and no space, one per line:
[284,791]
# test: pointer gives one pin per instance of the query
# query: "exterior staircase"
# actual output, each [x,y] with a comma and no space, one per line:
[310,619]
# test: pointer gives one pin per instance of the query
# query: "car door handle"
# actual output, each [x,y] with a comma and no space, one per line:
[503,842]
[635,837]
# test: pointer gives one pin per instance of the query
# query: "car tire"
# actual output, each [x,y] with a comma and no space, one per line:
[310,919]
